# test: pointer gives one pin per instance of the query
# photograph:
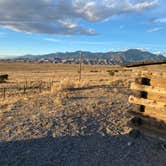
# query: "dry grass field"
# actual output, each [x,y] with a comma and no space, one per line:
[60,121]
[45,77]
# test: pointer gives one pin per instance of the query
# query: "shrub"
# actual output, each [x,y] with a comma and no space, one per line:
[112,72]
[67,84]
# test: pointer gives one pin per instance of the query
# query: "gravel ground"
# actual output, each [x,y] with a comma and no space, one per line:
[79,127]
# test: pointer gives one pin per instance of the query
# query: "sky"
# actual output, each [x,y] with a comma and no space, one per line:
[48,26]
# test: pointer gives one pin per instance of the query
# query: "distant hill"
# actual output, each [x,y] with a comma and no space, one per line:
[120,57]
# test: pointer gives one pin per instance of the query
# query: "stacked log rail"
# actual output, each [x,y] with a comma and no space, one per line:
[146,63]
[149,104]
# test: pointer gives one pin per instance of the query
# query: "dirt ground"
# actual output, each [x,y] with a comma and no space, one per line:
[84,126]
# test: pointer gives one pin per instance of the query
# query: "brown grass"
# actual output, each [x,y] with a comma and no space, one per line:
[67,84]
[62,76]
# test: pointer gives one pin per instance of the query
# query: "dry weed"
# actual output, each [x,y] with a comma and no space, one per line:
[67,84]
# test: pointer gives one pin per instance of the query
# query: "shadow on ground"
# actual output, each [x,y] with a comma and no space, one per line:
[90,87]
[95,150]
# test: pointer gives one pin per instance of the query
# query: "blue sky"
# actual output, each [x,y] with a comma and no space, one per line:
[46,26]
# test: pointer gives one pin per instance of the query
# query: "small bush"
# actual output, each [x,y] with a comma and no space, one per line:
[68,84]
[112,72]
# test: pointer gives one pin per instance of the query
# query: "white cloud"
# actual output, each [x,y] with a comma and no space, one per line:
[160,20]
[155,29]
[52,40]
[158,53]
[63,16]
[143,49]
[145,4]
[84,42]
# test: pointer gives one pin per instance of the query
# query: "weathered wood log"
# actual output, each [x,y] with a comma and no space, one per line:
[156,97]
[146,88]
[152,82]
[159,115]
[151,96]
[146,63]
[147,102]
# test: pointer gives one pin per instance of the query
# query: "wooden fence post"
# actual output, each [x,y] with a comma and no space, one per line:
[80,67]
[26,83]
[4,93]
[24,89]
[40,87]
[50,86]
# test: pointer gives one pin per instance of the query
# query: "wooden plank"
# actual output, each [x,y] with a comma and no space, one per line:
[156,97]
[145,88]
[147,102]
[159,115]
[152,82]
[150,96]
[158,82]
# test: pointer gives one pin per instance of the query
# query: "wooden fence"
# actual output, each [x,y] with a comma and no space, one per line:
[149,104]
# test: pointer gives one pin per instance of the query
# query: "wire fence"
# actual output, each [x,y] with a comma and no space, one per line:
[22,88]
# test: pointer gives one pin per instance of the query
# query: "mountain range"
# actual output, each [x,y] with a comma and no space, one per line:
[120,57]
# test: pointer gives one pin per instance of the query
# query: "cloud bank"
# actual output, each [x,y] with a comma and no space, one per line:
[63,16]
